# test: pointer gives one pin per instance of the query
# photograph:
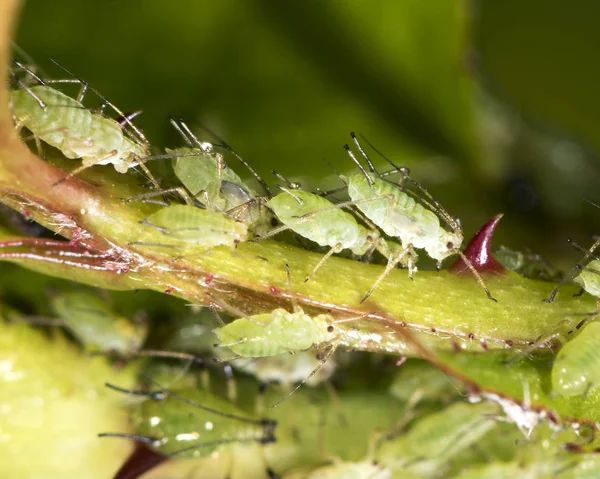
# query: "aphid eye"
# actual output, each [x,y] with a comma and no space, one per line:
[369,238]
[330,329]
[274,221]
[450,245]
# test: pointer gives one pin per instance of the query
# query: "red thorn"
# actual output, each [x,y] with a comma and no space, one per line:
[274,290]
[479,251]
[140,461]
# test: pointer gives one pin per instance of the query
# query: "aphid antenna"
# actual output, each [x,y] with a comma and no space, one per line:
[364,154]
[85,86]
[191,141]
[293,185]
[165,393]
[322,360]
[226,146]
[170,354]
[357,163]
[396,169]
[27,70]
[289,192]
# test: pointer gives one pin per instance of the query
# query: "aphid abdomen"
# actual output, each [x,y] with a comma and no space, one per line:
[198,227]
[62,122]
[576,368]
[106,136]
[185,430]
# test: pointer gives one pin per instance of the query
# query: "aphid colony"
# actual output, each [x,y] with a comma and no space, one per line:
[211,206]
[219,209]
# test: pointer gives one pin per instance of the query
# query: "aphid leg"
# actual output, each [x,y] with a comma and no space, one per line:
[84,167]
[590,316]
[169,354]
[568,277]
[475,273]
[557,333]
[336,248]
[392,263]
[322,360]
[141,163]
[178,189]
[295,307]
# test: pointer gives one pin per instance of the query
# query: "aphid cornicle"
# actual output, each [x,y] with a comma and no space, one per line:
[66,124]
[402,214]
[194,425]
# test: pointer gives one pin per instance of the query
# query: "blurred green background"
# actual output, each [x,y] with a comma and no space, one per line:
[491,104]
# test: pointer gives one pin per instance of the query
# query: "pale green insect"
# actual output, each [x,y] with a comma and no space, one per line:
[63,122]
[96,326]
[527,264]
[576,369]
[280,332]
[207,179]
[191,426]
[431,443]
[99,329]
[318,219]
[191,229]
[401,214]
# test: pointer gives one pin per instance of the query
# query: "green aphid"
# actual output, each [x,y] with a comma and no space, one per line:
[63,122]
[431,443]
[188,228]
[191,426]
[401,214]
[96,326]
[527,264]
[576,369]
